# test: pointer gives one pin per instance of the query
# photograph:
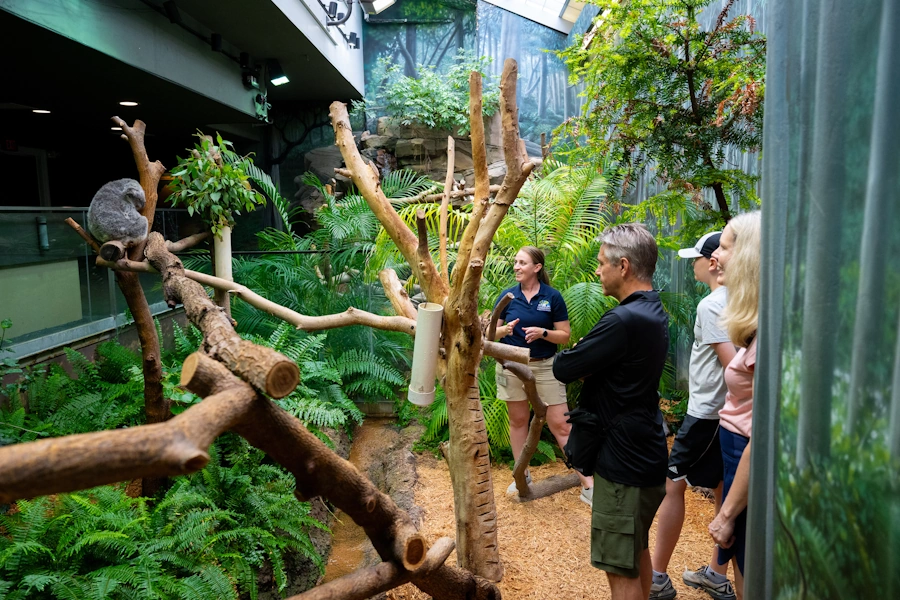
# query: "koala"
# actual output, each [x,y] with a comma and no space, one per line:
[113,214]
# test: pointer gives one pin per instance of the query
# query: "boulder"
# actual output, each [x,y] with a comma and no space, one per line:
[415,147]
[323,161]
[379,141]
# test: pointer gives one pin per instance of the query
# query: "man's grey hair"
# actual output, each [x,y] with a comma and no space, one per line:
[634,242]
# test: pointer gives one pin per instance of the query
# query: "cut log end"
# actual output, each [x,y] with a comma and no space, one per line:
[189,368]
[112,251]
[282,379]
[415,552]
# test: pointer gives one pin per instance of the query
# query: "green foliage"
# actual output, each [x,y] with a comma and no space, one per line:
[663,93]
[47,402]
[837,524]
[436,100]
[206,538]
[212,181]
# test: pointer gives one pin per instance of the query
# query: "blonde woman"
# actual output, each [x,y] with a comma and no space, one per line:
[738,258]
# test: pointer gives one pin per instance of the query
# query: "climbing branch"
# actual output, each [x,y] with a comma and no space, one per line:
[518,165]
[266,370]
[445,207]
[482,180]
[540,409]
[429,198]
[148,172]
[366,181]
[396,293]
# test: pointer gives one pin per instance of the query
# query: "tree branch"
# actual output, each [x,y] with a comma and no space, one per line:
[266,370]
[445,206]
[482,180]
[367,183]
[395,292]
[426,198]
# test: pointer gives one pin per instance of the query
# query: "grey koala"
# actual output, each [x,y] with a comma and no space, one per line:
[113,214]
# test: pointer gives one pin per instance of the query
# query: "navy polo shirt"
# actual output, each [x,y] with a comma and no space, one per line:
[546,308]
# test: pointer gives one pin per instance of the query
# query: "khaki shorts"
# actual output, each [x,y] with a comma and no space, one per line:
[551,390]
[621,516]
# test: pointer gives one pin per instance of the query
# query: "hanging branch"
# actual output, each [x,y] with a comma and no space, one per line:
[445,206]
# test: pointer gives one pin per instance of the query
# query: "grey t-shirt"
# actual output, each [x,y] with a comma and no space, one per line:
[707,376]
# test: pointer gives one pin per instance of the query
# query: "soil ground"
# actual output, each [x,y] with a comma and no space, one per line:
[545,544]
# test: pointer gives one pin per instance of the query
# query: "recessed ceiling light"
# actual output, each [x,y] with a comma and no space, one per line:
[128,103]
[41,111]
[116,128]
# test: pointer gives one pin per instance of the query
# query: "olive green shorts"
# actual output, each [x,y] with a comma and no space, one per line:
[621,516]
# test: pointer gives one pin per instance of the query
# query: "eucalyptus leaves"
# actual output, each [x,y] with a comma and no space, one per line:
[212,181]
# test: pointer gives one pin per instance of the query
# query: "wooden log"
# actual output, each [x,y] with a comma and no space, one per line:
[368,582]
[112,251]
[549,486]
[266,370]
[76,462]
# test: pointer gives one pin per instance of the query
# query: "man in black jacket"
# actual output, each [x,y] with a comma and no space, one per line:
[621,361]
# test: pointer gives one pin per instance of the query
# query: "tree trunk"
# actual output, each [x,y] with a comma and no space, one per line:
[722,202]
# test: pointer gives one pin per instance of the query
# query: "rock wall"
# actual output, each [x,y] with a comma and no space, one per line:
[416,147]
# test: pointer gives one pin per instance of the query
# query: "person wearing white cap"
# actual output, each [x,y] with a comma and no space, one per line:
[696,458]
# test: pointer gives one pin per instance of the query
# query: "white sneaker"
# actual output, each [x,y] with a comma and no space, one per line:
[587,496]
[512,489]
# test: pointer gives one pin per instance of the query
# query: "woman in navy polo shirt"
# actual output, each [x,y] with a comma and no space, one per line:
[536,319]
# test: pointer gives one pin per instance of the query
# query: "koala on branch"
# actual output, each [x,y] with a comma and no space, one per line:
[114,217]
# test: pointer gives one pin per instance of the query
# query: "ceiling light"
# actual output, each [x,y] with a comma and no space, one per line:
[128,103]
[332,10]
[276,73]
[116,128]
[353,40]
[41,111]
[373,7]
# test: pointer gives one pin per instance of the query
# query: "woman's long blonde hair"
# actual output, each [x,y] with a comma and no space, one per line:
[741,314]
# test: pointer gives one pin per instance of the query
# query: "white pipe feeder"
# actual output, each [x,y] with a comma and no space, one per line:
[425,353]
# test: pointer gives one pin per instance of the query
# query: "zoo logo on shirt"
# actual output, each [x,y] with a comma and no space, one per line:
[544,306]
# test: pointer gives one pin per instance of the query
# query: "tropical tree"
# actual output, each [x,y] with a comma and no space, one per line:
[664,93]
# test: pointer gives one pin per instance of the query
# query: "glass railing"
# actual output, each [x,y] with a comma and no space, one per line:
[50,287]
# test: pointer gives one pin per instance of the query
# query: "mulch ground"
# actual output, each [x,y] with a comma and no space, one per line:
[545,544]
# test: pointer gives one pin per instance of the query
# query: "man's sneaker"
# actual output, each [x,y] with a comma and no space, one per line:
[700,579]
[587,496]
[662,591]
[512,489]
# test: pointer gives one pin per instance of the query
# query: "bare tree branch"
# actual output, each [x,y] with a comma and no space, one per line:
[445,206]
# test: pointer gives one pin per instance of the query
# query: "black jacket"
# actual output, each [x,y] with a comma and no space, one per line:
[621,361]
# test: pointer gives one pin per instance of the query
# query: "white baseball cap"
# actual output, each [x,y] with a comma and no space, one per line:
[704,247]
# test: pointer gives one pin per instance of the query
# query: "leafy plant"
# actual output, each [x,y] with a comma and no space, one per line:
[665,94]
[436,100]
[212,181]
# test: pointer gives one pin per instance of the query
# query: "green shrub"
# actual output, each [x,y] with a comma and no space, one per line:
[436,100]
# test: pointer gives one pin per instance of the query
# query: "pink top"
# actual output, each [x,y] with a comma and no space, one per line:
[737,414]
